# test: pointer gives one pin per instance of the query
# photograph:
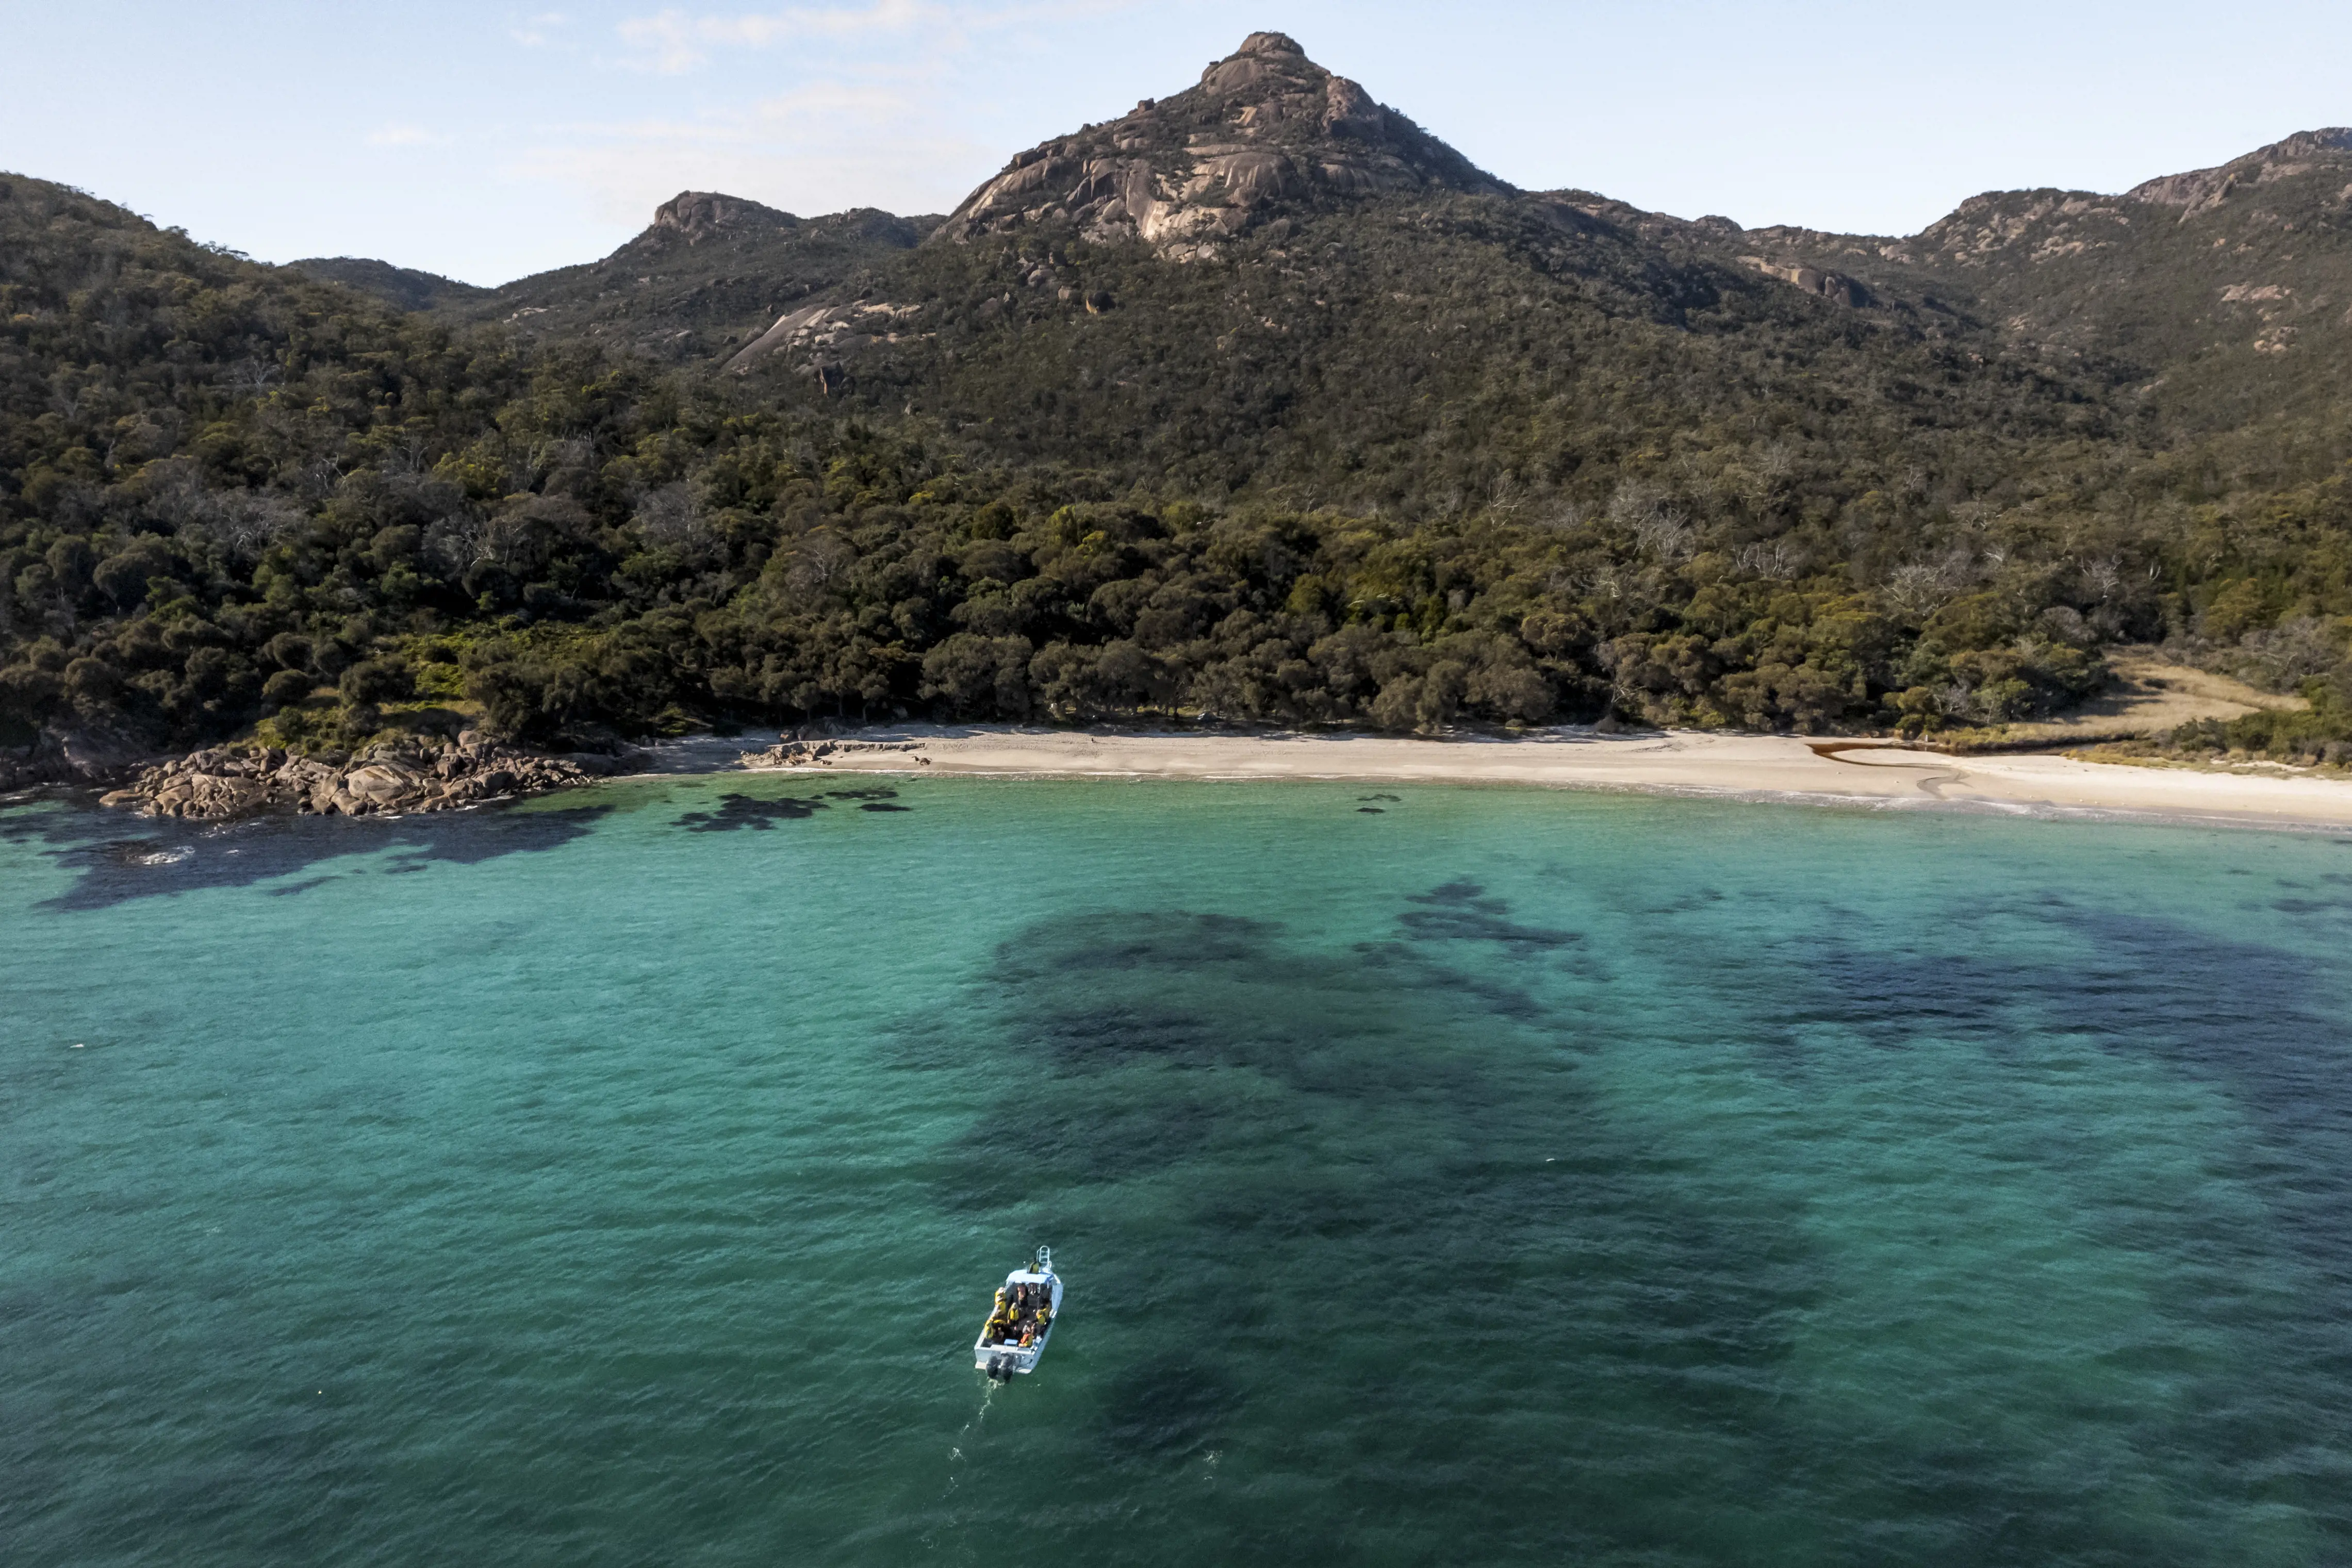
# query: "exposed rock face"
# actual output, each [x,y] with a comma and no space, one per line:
[698,215]
[2035,227]
[421,774]
[2201,190]
[1834,286]
[822,328]
[1265,128]
[693,218]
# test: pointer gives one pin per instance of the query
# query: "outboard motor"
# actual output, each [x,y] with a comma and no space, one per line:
[999,1369]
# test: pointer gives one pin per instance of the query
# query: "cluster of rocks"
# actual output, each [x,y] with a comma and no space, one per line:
[821,753]
[422,774]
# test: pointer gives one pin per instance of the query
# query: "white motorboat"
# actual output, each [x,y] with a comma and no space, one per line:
[1027,1310]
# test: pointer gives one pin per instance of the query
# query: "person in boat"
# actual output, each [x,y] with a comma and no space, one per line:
[1028,1333]
[1007,1322]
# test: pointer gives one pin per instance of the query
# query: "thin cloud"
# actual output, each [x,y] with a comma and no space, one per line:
[537,32]
[860,117]
[841,108]
[666,42]
[832,99]
[832,22]
[820,147]
[675,41]
[406,136]
[623,184]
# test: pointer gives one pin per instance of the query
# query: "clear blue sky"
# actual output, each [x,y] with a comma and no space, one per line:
[487,141]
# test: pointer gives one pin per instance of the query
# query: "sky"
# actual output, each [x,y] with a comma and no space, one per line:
[486,142]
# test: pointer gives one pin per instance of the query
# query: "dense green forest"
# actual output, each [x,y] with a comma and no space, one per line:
[1413,464]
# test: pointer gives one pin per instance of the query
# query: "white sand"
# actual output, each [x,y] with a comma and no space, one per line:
[1677,762]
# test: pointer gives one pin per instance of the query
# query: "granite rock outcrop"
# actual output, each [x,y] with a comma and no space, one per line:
[694,216]
[1264,128]
[423,774]
[2200,191]
[821,753]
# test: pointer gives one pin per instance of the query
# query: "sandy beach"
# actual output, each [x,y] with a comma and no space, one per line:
[1683,762]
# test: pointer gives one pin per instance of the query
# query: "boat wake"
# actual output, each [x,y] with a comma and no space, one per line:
[955,1449]
[987,1395]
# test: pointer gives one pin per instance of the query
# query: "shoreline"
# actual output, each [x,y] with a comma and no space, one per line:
[225,783]
[1679,762]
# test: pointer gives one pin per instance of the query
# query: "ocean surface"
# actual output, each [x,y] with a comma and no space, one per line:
[1441,1175]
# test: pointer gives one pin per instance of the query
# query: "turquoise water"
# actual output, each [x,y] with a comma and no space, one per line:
[1441,1175]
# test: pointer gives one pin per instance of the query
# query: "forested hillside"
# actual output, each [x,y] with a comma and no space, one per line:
[2225,293]
[708,274]
[1258,405]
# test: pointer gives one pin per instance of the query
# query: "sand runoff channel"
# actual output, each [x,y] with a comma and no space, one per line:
[1675,761]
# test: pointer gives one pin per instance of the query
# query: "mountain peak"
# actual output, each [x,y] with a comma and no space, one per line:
[698,215]
[1265,130]
[1270,44]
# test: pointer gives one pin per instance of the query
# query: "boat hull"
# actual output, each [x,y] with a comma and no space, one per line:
[999,1360]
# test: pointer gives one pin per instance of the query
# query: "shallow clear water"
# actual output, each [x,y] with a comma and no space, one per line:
[1483,1175]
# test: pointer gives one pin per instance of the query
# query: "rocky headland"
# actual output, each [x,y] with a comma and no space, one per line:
[419,774]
